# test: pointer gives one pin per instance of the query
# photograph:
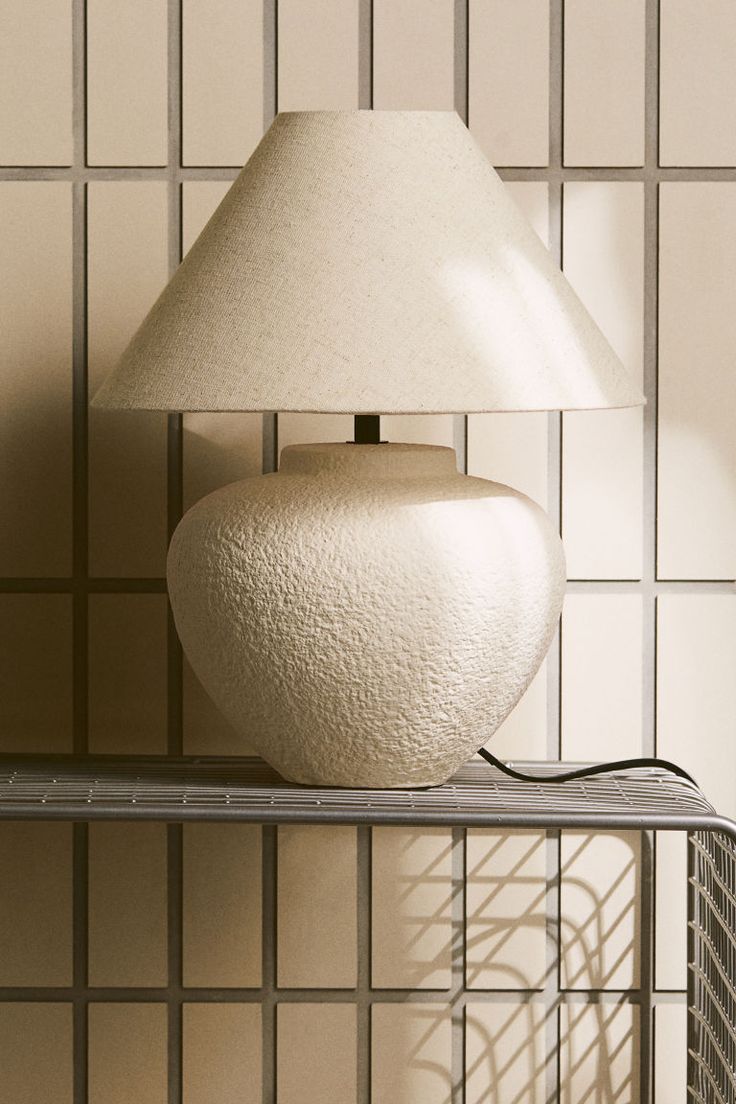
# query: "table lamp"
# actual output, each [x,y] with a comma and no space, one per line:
[367,616]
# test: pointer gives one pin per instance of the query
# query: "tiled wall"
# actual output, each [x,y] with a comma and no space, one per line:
[248,965]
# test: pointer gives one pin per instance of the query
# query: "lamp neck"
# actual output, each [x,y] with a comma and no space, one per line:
[370,462]
[367,429]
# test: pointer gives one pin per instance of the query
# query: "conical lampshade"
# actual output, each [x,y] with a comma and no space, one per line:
[368,262]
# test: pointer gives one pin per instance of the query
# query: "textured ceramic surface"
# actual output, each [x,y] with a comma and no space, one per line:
[367,616]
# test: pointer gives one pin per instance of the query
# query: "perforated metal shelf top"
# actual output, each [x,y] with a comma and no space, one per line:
[247,789]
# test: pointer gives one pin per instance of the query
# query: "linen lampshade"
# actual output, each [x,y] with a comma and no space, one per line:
[368,262]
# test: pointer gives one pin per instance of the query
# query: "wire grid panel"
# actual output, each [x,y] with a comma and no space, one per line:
[712,968]
[246,789]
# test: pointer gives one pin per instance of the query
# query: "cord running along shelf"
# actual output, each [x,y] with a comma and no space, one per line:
[246,789]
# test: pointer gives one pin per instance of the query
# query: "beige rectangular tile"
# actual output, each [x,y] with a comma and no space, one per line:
[696,690]
[508,80]
[512,448]
[317,907]
[36,1052]
[127,105]
[222,894]
[411,903]
[36,83]
[36,673]
[697,83]
[35,905]
[523,735]
[128,267]
[697,383]
[413,55]
[532,198]
[599,1054]
[316,1052]
[411,1060]
[505,1053]
[670,911]
[302,429]
[127,1058]
[318,55]
[600,910]
[127,674]
[218,448]
[505,902]
[221,1053]
[418,429]
[36,323]
[670,1054]
[601,676]
[604,54]
[602,503]
[127,905]
[199,201]
[222,81]
[603,247]
[204,729]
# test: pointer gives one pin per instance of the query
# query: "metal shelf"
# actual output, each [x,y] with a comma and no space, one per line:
[243,789]
[247,789]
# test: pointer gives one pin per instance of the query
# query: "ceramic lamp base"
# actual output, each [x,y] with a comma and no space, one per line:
[366,617]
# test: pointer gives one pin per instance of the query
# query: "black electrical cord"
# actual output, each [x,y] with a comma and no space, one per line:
[586,772]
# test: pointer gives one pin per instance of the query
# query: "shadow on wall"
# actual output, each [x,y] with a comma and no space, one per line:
[512,957]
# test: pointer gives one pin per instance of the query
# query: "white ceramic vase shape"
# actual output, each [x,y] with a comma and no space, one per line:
[366,617]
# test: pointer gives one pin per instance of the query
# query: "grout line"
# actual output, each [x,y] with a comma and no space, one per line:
[80,528]
[456,998]
[266,996]
[270,62]
[554,1084]
[80,927]
[81,585]
[364,856]
[77,584]
[457,995]
[552,997]
[204,995]
[132,585]
[174,865]
[365,54]
[269,422]
[650,308]
[461,67]
[548,174]
[647,930]
[269,833]
[641,173]
[174,504]
[646,966]
[363,992]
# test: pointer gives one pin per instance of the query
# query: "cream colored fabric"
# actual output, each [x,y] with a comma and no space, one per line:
[368,261]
